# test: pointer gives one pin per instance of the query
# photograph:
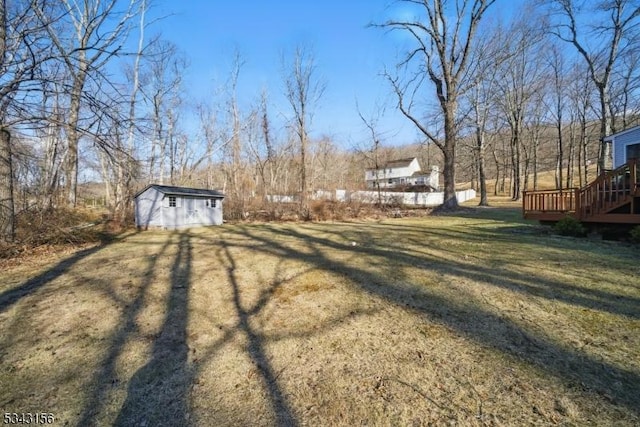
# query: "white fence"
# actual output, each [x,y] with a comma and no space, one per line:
[409,199]
[388,197]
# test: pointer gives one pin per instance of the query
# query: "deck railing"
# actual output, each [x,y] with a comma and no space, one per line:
[610,190]
[550,200]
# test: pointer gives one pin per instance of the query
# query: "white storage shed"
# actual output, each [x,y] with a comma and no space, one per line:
[169,207]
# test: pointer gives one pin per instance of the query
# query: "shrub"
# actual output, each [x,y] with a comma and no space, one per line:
[569,226]
[319,210]
[635,234]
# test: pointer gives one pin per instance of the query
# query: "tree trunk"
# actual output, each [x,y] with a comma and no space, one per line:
[606,129]
[559,158]
[584,141]
[73,137]
[304,205]
[536,144]
[515,166]
[7,211]
[482,179]
[571,156]
[495,159]
[449,153]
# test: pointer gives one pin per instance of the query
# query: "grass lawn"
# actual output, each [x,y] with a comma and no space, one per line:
[476,318]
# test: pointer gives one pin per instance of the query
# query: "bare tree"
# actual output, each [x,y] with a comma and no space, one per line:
[534,124]
[518,82]
[165,66]
[303,90]
[625,85]
[22,54]
[481,113]
[601,44]
[260,146]
[209,133]
[99,28]
[126,168]
[489,55]
[580,107]
[372,154]
[443,39]
[557,105]
[7,207]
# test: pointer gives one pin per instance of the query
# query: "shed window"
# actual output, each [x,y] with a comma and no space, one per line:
[213,203]
[172,201]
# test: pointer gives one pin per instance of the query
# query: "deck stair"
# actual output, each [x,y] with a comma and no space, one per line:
[613,197]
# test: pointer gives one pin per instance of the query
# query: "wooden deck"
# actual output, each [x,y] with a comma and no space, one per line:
[614,197]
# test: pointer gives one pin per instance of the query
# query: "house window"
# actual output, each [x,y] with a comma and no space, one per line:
[390,181]
[633,151]
[214,203]
[172,201]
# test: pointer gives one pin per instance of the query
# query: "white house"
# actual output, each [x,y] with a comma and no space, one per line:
[401,173]
[163,206]
[625,146]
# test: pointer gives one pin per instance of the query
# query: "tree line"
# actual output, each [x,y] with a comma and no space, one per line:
[84,88]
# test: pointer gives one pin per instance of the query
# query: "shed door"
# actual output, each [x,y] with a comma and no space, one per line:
[191,211]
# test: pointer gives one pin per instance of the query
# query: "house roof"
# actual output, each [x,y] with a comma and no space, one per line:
[615,135]
[398,163]
[183,191]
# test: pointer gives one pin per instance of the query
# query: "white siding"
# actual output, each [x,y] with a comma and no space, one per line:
[396,173]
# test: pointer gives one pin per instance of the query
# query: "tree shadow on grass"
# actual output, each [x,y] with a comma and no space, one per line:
[255,348]
[158,393]
[594,299]
[12,296]
[578,369]
[105,377]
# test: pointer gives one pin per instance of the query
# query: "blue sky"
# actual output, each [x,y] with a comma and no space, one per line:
[349,55]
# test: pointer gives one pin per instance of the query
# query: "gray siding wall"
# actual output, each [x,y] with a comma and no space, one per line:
[148,209]
[152,210]
[191,212]
[620,146]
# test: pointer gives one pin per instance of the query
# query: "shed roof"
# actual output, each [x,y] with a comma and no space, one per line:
[183,191]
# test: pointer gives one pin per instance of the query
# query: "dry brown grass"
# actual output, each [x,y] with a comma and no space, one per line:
[471,319]
[546,181]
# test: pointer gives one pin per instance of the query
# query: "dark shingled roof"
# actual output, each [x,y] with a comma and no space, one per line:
[399,163]
[183,191]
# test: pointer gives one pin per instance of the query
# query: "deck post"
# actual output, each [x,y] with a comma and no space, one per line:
[634,183]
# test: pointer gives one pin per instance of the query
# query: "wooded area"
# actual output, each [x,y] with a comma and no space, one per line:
[88,91]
